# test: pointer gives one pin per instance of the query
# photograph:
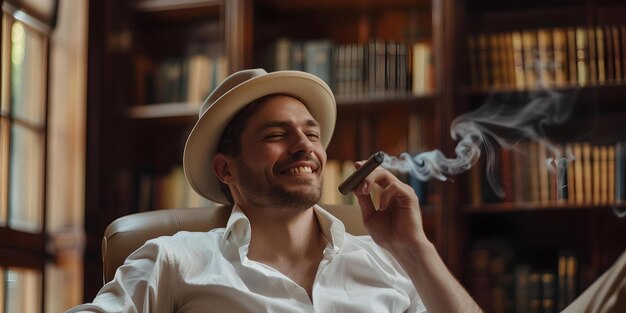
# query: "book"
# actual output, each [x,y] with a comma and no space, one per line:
[592,55]
[571,55]
[402,69]
[509,64]
[422,77]
[495,61]
[544,177]
[587,176]
[391,73]
[548,292]
[533,170]
[199,82]
[531,58]
[282,55]
[578,173]
[622,30]
[604,175]
[620,173]
[609,58]
[617,53]
[546,57]
[518,59]
[317,59]
[610,160]
[522,288]
[297,55]
[581,56]
[600,55]
[595,154]
[534,292]
[506,174]
[571,278]
[560,56]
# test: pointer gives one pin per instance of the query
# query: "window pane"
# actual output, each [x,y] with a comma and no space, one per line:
[4,166]
[28,74]
[26,179]
[23,290]
[5,62]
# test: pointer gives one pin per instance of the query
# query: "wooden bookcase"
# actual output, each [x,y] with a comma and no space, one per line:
[517,247]
[131,135]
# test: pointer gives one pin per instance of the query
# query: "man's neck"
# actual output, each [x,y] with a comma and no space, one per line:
[284,236]
[289,241]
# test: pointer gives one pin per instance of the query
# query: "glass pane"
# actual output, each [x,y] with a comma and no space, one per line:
[26,179]
[23,290]
[4,58]
[4,159]
[28,74]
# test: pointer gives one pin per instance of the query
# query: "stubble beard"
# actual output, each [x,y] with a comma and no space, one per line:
[261,194]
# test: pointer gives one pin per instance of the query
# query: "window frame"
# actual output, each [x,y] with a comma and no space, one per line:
[21,249]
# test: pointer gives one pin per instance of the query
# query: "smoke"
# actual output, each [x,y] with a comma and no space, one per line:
[503,120]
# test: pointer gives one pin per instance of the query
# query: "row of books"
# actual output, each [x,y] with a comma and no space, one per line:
[499,284]
[166,191]
[548,57]
[378,68]
[187,79]
[590,175]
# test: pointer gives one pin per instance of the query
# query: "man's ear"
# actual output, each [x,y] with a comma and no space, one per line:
[222,167]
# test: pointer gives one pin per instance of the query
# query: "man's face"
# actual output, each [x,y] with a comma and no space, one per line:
[282,159]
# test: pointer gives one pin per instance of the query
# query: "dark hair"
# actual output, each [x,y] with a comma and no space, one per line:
[230,141]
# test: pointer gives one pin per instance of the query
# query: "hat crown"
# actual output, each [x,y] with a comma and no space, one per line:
[228,84]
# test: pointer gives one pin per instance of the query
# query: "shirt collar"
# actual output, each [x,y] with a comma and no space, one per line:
[238,230]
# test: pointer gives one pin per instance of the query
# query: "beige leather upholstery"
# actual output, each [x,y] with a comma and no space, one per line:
[127,233]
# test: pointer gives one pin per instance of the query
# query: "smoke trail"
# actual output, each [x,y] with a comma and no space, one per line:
[498,121]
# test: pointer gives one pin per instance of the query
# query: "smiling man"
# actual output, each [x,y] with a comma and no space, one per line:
[259,145]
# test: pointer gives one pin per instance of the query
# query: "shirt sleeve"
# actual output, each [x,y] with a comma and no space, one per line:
[142,284]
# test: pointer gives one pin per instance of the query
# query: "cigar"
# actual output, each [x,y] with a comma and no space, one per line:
[357,177]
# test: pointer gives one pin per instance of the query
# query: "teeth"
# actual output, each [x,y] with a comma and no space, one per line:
[301,169]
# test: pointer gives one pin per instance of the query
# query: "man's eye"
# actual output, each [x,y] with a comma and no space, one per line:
[274,136]
[313,135]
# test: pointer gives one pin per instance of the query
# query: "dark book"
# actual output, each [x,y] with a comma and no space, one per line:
[318,56]
[391,68]
[620,170]
[548,290]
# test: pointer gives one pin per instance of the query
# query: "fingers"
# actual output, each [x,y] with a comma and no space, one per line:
[400,194]
[366,204]
[392,190]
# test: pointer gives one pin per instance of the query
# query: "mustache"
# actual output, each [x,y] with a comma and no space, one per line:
[300,157]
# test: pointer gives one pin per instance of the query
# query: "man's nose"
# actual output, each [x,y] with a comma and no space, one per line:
[302,144]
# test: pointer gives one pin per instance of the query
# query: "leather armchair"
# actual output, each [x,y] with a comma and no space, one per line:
[127,233]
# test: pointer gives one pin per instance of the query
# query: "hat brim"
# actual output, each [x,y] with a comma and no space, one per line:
[205,135]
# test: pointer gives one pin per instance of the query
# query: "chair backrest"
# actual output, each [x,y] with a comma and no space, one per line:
[127,233]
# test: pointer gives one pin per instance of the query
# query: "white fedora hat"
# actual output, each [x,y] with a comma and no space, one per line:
[234,93]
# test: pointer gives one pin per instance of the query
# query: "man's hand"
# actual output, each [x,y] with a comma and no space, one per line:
[397,226]
[397,222]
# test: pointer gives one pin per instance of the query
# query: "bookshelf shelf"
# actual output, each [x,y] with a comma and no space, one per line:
[165,110]
[167,5]
[521,207]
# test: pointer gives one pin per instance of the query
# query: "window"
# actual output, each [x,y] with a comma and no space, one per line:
[23,132]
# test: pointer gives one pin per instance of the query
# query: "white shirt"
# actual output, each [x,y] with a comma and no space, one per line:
[210,272]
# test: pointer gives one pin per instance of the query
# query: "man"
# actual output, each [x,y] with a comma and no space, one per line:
[259,144]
